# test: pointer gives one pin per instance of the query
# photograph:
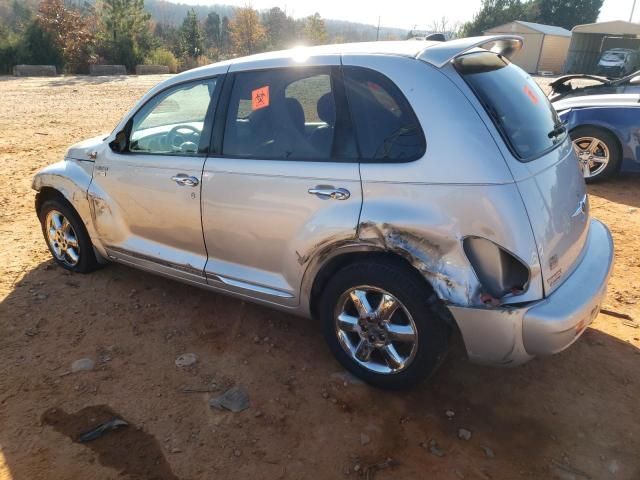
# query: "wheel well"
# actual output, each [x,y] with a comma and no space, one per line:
[48,193]
[331,267]
[604,129]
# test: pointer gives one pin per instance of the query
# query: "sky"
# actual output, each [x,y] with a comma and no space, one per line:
[405,14]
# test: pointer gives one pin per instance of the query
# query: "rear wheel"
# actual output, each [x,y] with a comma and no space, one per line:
[380,326]
[598,153]
[67,237]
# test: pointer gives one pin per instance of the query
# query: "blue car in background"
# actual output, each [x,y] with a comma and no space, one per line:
[603,121]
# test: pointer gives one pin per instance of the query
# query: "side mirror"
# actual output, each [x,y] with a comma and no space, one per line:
[120,143]
[635,80]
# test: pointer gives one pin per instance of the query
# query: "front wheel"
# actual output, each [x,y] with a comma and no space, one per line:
[598,153]
[379,324]
[67,237]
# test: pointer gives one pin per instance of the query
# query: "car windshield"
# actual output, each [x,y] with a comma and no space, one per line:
[519,109]
[614,56]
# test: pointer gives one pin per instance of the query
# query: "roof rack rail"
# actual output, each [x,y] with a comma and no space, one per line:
[441,54]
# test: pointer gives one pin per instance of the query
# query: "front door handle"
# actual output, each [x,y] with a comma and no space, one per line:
[330,192]
[185,180]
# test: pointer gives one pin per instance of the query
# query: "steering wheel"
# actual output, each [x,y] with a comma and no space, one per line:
[174,135]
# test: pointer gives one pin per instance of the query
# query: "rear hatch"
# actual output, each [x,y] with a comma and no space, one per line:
[549,179]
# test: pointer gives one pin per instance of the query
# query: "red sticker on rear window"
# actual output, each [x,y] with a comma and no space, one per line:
[531,94]
[260,98]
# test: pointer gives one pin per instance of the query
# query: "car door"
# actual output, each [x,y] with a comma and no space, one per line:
[145,194]
[284,180]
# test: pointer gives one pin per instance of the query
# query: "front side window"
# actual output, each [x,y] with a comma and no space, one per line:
[172,123]
[519,109]
[386,126]
[281,114]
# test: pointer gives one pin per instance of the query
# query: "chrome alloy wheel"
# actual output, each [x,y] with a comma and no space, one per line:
[593,155]
[376,330]
[62,238]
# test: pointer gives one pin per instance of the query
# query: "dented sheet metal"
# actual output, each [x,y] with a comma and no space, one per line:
[437,258]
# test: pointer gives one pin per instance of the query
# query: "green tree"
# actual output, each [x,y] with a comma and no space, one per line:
[493,13]
[280,30]
[212,31]
[126,34]
[566,13]
[315,31]
[225,35]
[40,47]
[191,35]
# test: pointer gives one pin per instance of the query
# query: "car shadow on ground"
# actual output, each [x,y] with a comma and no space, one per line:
[574,413]
[622,189]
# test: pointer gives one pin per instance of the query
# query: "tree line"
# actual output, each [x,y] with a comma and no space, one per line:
[560,13]
[74,34]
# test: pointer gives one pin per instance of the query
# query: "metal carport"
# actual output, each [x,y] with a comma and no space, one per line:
[586,43]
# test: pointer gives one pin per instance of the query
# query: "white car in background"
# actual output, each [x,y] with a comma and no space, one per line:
[618,62]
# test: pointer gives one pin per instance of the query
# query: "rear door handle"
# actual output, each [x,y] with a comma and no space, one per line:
[185,180]
[330,192]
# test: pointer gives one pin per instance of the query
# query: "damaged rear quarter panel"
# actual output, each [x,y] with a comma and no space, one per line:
[426,224]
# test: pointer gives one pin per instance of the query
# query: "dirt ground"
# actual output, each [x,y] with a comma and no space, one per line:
[572,416]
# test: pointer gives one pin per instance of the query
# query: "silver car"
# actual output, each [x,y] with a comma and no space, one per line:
[396,191]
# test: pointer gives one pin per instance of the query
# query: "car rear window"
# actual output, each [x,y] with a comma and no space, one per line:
[518,107]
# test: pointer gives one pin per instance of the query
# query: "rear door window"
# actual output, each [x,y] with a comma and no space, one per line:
[518,107]
[285,114]
[386,127]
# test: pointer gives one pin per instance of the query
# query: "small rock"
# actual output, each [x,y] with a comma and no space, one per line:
[459,474]
[256,339]
[236,399]
[435,449]
[346,378]
[42,296]
[464,434]
[258,414]
[450,414]
[364,439]
[186,359]
[237,452]
[176,450]
[614,467]
[356,468]
[488,452]
[325,395]
[82,365]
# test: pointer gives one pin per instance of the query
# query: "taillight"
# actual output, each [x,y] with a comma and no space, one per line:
[498,271]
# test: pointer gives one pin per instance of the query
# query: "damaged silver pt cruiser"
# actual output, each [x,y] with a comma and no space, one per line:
[396,191]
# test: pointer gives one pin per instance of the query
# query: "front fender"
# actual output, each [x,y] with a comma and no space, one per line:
[71,178]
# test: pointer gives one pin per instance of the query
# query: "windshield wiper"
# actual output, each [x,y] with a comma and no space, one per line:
[558,129]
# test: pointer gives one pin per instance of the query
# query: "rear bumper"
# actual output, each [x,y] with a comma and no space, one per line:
[511,336]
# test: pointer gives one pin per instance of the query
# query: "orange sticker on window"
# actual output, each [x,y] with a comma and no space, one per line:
[260,98]
[530,93]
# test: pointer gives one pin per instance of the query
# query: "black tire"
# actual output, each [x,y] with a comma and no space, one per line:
[615,154]
[87,261]
[409,288]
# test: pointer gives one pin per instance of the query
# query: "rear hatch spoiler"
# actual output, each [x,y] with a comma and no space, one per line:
[441,54]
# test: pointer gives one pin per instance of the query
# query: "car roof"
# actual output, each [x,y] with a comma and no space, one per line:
[404,48]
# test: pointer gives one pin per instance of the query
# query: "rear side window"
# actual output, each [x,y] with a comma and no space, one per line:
[519,109]
[386,127]
[282,114]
